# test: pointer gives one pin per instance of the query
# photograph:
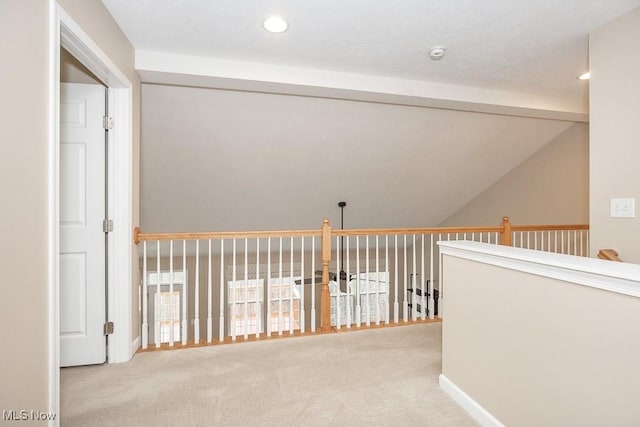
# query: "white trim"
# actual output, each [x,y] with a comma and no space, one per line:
[135,345]
[120,211]
[623,278]
[53,283]
[65,32]
[85,50]
[481,415]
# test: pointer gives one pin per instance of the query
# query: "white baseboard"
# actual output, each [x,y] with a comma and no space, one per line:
[480,414]
[135,345]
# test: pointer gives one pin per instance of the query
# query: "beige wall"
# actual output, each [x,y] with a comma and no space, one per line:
[23,191]
[72,71]
[536,351]
[24,148]
[277,147]
[551,187]
[614,56]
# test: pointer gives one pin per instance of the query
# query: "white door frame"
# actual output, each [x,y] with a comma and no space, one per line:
[65,32]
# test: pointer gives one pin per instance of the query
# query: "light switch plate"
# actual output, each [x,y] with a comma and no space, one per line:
[623,208]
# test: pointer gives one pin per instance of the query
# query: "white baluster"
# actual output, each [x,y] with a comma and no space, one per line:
[440,277]
[280,289]
[575,242]
[377,281]
[172,314]
[145,321]
[588,244]
[358,307]
[313,284]
[580,241]
[291,311]
[441,284]
[233,293]
[396,305]
[185,292]
[196,297]
[431,295]
[156,310]
[221,286]
[386,267]
[367,283]
[423,298]
[269,318]
[414,301]
[245,318]
[548,240]
[302,286]
[336,307]
[258,292]
[405,303]
[210,296]
[349,305]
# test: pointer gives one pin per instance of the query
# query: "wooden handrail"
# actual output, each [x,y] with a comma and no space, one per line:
[139,237]
[609,255]
[563,227]
[430,230]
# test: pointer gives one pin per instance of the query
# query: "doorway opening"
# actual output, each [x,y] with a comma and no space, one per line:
[66,33]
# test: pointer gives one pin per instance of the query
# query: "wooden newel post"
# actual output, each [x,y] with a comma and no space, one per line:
[325,298]
[505,234]
[136,233]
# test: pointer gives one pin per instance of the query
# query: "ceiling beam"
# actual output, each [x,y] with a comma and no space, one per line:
[185,70]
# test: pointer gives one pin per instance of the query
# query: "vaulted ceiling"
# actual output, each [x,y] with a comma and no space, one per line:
[506,86]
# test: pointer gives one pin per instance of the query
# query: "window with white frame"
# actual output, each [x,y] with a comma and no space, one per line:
[245,299]
[166,307]
[284,298]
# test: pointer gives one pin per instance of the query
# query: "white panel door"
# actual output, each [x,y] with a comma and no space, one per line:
[82,210]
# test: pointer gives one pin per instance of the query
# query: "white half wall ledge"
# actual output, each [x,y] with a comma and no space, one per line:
[478,412]
[623,278]
[185,70]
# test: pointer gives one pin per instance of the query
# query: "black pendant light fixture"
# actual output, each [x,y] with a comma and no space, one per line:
[343,274]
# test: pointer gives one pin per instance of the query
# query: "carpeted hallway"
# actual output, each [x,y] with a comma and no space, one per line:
[384,376]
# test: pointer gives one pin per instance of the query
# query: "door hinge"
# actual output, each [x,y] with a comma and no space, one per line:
[108,328]
[107,226]
[107,122]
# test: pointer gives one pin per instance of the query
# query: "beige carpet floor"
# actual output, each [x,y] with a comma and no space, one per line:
[382,377]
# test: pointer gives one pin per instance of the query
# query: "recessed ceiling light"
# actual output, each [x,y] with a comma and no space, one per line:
[584,76]
[436,53]
[275,24]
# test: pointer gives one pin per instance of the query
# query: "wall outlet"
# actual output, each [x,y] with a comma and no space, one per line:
[623,208]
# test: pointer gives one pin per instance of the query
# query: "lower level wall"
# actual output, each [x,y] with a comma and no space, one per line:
[550,187]
[536,351]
